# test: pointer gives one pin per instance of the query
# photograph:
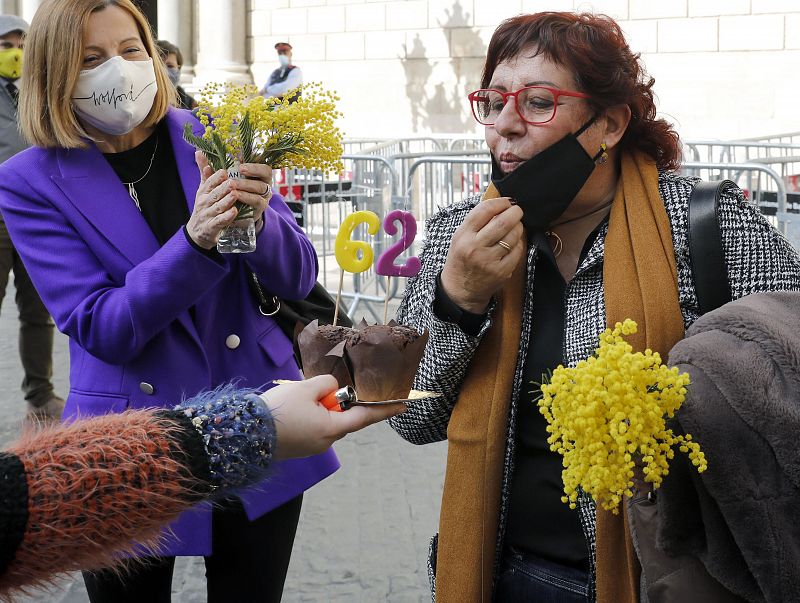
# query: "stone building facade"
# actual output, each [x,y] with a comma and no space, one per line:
[723,68]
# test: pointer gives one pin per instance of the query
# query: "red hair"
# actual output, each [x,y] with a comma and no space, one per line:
[594,49]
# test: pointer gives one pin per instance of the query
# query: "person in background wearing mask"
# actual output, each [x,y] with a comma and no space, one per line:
[173,59]
[36,328]
[284,78]
[117,218]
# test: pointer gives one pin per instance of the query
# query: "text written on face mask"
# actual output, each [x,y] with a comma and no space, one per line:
[112,97]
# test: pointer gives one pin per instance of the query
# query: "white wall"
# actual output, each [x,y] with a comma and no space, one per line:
[723,68]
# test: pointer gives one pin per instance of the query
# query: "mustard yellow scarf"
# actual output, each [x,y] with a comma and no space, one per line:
[641,282]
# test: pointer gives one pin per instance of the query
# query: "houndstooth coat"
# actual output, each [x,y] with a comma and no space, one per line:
[758,258]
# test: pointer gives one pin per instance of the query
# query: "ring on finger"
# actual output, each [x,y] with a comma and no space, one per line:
[267,194]
[504,245]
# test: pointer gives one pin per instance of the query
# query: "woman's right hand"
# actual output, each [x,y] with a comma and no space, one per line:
[477,265]
[305,427]
[213,205]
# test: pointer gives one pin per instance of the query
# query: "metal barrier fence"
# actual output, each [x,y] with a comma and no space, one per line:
[781,154]
[784,157]
[434,181]
[467,183]
[763,186]
[361,146]
[320,204]
[396,146]
[443,170]
[468,143]
[431,143]
[787,138]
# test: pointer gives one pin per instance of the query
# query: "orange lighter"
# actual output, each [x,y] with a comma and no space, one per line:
[346,397]
[340,400]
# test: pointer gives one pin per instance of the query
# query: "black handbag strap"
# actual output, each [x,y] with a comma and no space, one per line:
[268,307]
[709,269]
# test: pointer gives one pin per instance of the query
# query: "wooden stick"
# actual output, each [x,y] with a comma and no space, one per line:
[338,297]
[386,303]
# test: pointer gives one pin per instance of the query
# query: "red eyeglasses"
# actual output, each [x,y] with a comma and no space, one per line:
[535,104]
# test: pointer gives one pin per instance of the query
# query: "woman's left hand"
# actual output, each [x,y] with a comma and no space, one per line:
[255,188]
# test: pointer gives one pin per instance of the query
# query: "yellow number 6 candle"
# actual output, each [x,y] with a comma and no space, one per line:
[346,249]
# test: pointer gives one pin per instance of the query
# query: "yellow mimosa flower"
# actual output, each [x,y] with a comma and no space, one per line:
[610,410]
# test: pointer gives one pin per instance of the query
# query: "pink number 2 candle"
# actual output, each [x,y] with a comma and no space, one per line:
[385,265]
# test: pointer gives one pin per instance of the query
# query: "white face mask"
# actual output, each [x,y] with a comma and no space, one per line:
[116,96]
[283,60]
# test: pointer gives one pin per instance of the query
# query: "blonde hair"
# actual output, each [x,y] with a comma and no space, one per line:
[53,62]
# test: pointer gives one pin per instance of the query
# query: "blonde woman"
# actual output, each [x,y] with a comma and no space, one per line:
[117,227]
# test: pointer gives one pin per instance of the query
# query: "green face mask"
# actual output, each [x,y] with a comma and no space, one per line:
[11,63]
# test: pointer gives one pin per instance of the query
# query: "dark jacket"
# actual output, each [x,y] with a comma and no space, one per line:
[741,517]
[11,140]
[186,100]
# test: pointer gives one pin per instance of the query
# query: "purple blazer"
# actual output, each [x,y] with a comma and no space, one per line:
[124,301]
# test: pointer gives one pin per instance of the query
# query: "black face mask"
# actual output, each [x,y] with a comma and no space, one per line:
[545,185]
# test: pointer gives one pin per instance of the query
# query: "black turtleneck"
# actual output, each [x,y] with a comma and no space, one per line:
[538,522]
[161,197]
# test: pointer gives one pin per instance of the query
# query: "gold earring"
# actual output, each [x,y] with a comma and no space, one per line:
[603,155]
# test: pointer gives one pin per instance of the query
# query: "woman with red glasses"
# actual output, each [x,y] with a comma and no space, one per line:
[584,224]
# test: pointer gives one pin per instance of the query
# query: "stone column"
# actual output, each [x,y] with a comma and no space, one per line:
[176,24]
[28,8]
[8,7]
[221,42]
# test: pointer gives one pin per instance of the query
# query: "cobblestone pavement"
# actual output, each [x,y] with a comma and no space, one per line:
[363,534]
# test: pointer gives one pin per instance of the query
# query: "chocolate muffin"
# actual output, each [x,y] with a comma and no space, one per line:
[378,360]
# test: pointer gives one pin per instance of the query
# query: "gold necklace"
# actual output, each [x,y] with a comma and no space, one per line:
[558,246]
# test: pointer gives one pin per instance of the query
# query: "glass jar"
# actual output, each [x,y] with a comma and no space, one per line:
[240,235]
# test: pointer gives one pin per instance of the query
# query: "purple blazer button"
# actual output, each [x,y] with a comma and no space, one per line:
[147,388]
[232,341]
